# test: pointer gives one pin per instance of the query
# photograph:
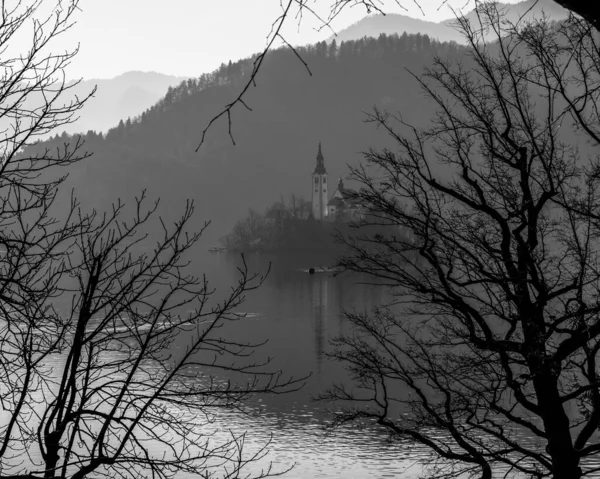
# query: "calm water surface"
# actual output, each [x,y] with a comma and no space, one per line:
[299,313]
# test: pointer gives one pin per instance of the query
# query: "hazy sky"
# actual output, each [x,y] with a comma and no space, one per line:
[190,37]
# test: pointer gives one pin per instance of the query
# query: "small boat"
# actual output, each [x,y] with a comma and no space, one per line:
[217,249]
[320,269]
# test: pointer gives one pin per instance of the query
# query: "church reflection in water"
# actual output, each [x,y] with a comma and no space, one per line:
[300,313]
[319,302]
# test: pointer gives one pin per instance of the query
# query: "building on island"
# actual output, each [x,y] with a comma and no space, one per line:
[342,206]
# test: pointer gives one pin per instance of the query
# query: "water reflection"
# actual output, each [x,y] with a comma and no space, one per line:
[319,304]
[299,313]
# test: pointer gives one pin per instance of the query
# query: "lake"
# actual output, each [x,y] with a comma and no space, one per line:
[299,313]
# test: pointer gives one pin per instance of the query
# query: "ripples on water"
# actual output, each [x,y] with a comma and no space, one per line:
[297,438]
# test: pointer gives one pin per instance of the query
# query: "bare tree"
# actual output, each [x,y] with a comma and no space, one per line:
[93,306]
[487,354]
[294,205]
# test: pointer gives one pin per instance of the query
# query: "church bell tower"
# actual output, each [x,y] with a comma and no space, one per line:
[319,188]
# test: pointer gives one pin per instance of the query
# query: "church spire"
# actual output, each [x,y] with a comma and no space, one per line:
[320,168]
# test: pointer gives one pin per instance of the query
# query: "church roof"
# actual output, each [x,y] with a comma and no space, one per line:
[335,201]
[320,168]
[347,196]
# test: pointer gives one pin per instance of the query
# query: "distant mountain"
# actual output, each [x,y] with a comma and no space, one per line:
[390,24]
[119,98]
[374,25]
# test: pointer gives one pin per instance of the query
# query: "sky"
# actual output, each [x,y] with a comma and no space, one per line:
[191,37]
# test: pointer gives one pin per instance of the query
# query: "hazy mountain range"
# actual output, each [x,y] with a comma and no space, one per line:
[374,25]
[119,98]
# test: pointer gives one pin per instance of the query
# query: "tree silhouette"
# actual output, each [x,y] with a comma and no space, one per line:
[488,352]
[93,307]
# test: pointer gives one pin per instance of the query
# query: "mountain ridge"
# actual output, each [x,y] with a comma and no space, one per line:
[443,31]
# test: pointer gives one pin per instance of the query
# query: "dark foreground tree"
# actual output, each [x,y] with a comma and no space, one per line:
[590,11]
[115,356]
[488,352]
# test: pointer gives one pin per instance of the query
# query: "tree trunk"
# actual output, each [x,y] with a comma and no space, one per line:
[52,456]
[565,460]
[486,471]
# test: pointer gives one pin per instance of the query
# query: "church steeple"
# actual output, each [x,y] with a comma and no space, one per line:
[319,188]
[320,168]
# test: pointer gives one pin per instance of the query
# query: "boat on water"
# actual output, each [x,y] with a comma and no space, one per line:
[320,269]
[217,249]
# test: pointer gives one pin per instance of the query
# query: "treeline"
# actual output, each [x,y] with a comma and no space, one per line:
[273,229]
[289,226]
[385,48]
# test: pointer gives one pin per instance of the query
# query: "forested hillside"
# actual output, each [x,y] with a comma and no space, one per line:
[276,142]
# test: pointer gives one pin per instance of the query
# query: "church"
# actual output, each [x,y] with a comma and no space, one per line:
[340,206]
